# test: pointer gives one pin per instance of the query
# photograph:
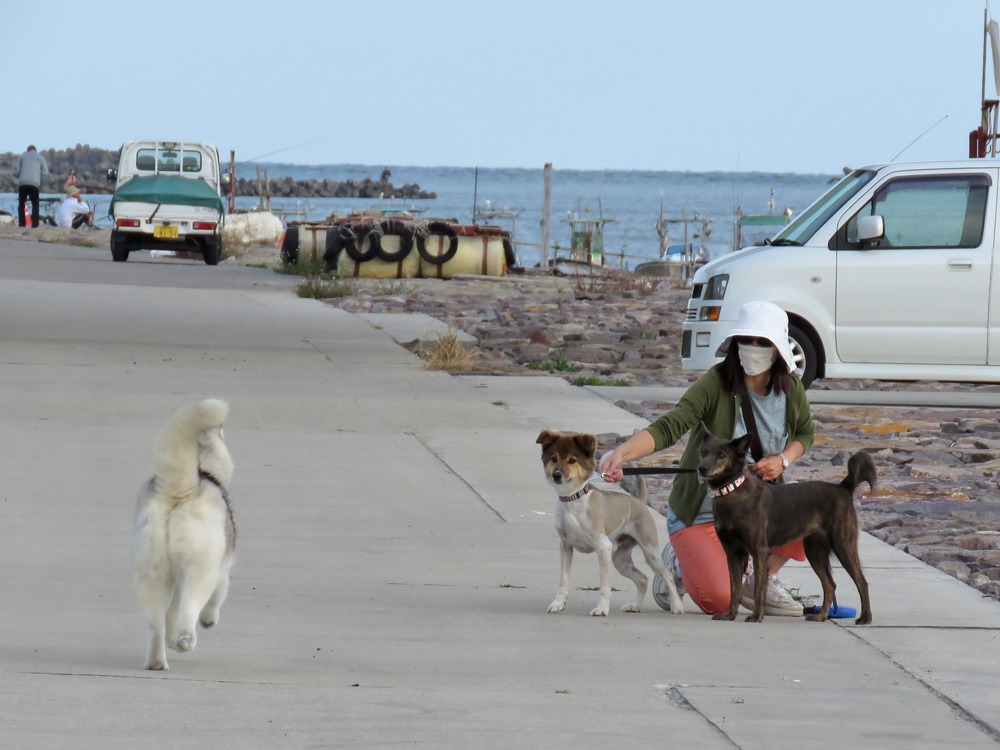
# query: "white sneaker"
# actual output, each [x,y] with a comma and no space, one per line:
[777,601]
[661,595]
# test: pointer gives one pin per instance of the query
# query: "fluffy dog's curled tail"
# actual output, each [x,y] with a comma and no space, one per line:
[860,468]
[175,452]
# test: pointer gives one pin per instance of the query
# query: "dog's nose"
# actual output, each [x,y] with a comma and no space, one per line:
[557,475]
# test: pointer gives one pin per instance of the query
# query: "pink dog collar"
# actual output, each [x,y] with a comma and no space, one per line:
[731,487]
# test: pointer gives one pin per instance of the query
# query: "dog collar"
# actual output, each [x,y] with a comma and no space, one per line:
[729,487]
[576,495]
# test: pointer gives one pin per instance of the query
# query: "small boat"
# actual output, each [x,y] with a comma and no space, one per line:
[674,260]
[502,217]
[757,229]
[681,259]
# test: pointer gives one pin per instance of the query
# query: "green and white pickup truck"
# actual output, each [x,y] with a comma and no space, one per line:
[167,196]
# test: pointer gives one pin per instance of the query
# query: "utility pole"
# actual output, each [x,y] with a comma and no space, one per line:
[232,181]
[546,212]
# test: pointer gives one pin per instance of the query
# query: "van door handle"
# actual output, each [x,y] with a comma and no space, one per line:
[960,264]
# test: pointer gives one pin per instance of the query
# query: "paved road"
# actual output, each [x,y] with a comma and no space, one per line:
[396,553]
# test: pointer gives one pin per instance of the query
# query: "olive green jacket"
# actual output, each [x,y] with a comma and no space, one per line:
[708,401]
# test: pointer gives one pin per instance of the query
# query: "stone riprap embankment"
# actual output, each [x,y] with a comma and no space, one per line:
[91,165]
[938,469]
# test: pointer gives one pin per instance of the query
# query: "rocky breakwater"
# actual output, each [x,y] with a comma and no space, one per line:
[938,469]
[90,167]
[287,187]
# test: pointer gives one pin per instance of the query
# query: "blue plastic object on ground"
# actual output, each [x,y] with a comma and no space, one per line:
[837,611]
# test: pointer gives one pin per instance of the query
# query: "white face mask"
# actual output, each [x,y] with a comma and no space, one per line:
[756,359]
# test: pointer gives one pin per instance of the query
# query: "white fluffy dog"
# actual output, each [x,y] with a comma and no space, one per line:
[184,536]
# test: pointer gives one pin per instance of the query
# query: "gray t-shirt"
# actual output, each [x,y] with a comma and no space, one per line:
[769,411]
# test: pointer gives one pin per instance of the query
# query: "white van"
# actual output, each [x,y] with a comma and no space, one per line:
[889,276]
[167,196]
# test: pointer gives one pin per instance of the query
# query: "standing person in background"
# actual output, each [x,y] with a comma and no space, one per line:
[31,167]
[74,212]
[755,379]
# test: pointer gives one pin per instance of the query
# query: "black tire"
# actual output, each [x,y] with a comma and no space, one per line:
[119,248]
[353,237]
[212,251]
[290,246]
[405,234]
[438,227]
[331,255]
[508,251]
[804,352]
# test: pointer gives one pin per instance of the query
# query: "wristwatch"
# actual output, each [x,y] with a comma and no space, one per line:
[784,461]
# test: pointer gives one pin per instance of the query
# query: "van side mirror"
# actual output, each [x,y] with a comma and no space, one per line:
[871,229]
[112,174]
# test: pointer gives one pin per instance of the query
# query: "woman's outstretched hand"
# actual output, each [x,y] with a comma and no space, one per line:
[611,466]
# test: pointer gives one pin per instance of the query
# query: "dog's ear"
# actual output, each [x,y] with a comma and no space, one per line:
[586,443]
[546,437]
[742,444]
[701,431]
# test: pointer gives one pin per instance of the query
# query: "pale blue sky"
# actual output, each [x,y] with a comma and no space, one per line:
[804,86]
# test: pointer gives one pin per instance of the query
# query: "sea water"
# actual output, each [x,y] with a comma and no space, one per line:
[632,199]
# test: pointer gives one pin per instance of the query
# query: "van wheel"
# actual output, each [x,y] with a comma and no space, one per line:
[119,248]
[804,354]
[211,251]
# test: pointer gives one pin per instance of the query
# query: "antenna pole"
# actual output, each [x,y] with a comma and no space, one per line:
[475,196]
[546,212]
[986,25]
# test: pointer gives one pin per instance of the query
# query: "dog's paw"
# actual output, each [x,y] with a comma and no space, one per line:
[158,665]
[185,642]
[632,608]
[864,619]
[209,619]
[757,617]
[557,606]
[676,607]
[601,610]
[723,616]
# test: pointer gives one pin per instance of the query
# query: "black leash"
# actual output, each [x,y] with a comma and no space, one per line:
[631,470]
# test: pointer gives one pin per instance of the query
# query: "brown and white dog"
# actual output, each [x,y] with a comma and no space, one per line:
[606,522]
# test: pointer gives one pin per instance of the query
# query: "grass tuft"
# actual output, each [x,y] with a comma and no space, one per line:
[449,354]
[318,287]
[558,363]
[595,380]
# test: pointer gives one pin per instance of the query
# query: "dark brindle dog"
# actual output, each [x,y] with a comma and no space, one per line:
[751,516]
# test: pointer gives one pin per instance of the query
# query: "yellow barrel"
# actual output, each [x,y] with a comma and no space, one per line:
[376,268]
[312,242]
[483,255]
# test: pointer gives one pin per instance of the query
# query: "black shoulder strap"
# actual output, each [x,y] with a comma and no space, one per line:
[756,449]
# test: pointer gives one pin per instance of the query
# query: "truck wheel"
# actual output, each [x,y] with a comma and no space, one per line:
[119,248]
[290,246]
[211,251]
[806,361]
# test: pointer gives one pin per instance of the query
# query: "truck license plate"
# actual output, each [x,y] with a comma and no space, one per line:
[164,232]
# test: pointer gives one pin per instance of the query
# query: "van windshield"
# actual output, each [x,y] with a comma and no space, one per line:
[167,160]
[808,223]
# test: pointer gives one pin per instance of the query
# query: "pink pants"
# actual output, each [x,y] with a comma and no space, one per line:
[703,565]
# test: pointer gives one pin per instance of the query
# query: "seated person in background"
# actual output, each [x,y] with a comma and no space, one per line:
[74,211]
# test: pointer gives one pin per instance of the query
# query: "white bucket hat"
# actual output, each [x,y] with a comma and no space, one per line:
[762,320]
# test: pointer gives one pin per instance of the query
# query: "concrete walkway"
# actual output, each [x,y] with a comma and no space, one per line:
[396,553]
